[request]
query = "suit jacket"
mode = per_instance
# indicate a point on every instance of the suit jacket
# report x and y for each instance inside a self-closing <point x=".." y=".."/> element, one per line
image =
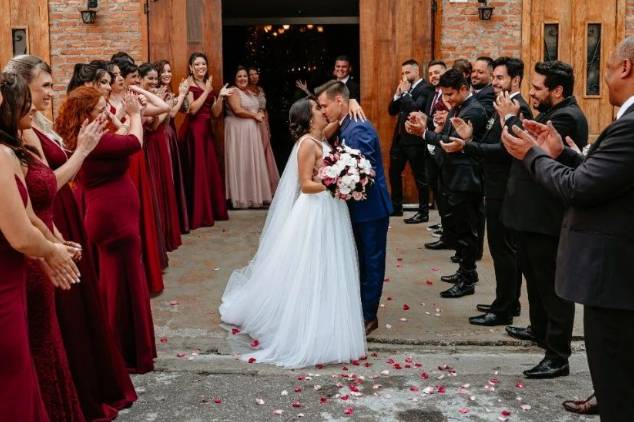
<point x="430" y="92"/>
<point x="460" y="172"/>
<point x="528" y="206"/>
<point x="596" y="246"/>
<point x="362" y="136"/>
<point x="486" y="97"/>
<point x="353" y="87"/>
<point x="496" y="161"/>
<point x="414" y="100"/>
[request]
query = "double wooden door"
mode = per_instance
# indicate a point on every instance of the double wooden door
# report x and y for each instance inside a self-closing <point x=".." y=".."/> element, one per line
<point x="582" y="33"/>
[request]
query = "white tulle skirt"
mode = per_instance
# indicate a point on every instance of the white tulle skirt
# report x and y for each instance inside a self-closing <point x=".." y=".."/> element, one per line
<point x="299" y="297"/>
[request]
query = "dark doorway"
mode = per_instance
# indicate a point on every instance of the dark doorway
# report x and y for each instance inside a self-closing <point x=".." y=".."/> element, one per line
<point x="286" y="49"/>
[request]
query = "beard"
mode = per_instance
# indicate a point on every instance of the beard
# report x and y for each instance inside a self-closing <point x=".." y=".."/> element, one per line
<point x="544" y="106"/>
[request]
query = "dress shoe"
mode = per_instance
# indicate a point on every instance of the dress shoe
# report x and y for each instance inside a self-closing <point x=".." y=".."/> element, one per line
<point x="437" y="234"/>
<point x="490" y="320"/>
<point x="418" y="218"/>
<point x="397" y="212"/>
<point x="437" y="245"/>
<point x="456" y="259"/>
<point x="521" y="333"/>
<point x="549" y="368"/>
<point x="371" y="326"/>
<point x="487" y="308"/>
<point x="590" y="406"/>
<point x="470" y="277"/>
<point x="434" y="227"/>
<point x="458" y="290"/>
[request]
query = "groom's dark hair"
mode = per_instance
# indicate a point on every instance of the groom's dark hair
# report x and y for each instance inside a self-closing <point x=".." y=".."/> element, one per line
<point x="332" y="89"/>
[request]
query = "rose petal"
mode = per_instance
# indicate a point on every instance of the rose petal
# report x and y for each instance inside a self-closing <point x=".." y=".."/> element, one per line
<point x="413" y="388"/>
<point x="300" y="415"/>
<point x="284" y="393"/>
<point x="217" y="401"/>
<point x="463" y="410"/>
<point x="296" y="404"/>
<point x="519" y="385"/>
<point x="173" y="302"/>
<point x="349" y="411"/>
<point x="406" y="307"/>
<point x="278" y="412"/>
<point x="505" y="413"/>
<point x="251" y="360"/>
<point x="235" y="331"/>
<point x="525" y="407"/>
<point x="259" y="401"/>
<point x="424" y="375"/>
<point x="441" y="389"/>
<point x="163" y="340"/>
<point x="319" y="366"/>
<point x="255" y="344"/>
<point x="180" y="354"/>
<point x="298" y="389"/>
<point x="344" y="398"/>
<point x="388" y="326"/>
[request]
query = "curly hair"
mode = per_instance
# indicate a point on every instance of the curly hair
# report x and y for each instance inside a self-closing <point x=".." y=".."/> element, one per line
<point x="74" y="111"/>
<point x="16" y="103"/>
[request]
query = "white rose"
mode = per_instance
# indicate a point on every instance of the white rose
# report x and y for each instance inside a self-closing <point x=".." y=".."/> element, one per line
<point x="331" y="172"/>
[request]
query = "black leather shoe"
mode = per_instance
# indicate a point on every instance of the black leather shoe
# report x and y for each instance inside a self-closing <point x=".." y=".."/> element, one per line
<point x="453" y="278"/>
<point x="437" y="245"/>
<point x="418" y="218"/>
<point x="398" y="212"/>
<point x="549" y="368"/>
<point x="458" y="290"/>
<point x="521" y="333"/>
<point x="456" y="259"/>
<point x="434" y="227"/>
<point x="490" y="320"/>
<point x="487" y="309"/>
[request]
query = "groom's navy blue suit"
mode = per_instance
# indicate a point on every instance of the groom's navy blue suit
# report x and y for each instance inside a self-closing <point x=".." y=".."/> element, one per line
<point x="370" y="218"/>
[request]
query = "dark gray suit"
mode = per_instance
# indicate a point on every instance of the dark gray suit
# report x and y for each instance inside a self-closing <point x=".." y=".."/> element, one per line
<point x="596" y="253"/>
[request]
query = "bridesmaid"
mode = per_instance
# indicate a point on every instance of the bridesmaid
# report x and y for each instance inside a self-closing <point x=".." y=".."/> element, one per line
<point x="246" y="176"/>
<point x="203" y="183"/>
<point x="21" y="398"/>
<point x="153" y="241"/>
<point x="265" y="128"/>
<point x="102" y="382"/>
<point x="112" y="222"/>
<point x="176" y="102"/>
<point x="157" y="154"/>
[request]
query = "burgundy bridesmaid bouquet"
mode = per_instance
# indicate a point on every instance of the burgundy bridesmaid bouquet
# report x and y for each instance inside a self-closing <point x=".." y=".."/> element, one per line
<point x="347" y="174"/>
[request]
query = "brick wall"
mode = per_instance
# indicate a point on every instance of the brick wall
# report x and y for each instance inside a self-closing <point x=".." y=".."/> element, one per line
<point x="464" y="35"/>
<point x="118" y="27"/>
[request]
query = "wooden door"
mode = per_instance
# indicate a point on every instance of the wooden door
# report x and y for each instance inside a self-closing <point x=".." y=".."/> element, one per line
<point x="28" y="22"/>
<point x="582" y="33"/>
<point x="391" y="31"/>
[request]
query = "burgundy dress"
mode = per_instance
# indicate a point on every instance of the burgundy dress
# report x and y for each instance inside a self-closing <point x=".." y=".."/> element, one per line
<point x="101" y="379"/>
<point x="177" y="174"/>
<point x="20" y="399"/>
<point x="159" y="161"/>
<point x="204" y="186"/>
<point x="112" y="224"/>
<point x="47" y="346"/>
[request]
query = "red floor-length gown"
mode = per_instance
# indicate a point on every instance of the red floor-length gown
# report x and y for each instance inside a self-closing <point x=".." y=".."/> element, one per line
<point x="157" y="153"/>
<point x="204" y="187"/>
<point x="20" y="398"/>
<point x="45" y="337"/>
<point x="112" y="224"/>
<point x="177" y="174"/>
<point x="99" y="372"/>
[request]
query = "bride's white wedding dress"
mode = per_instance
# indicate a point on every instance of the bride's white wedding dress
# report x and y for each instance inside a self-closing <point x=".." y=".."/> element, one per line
<point x="299" y="296"/>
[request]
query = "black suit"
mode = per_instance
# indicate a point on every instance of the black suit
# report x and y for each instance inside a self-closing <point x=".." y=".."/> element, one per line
<point x="408" y="148"/>
<point x="486" y="97"/>
<point x="460" y="183"/>
<point x="596" y="252"/>
<point x="496" y="163"/>
<point x="431" y="167"/>
<point x="536" y="215"/>
<point x="355" y="90"/>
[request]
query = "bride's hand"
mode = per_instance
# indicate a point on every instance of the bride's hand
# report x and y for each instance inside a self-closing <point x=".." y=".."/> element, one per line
<point x="355" y="111"/>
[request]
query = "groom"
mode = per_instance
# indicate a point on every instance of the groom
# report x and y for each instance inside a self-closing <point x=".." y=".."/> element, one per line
<point x="370" y="218"/>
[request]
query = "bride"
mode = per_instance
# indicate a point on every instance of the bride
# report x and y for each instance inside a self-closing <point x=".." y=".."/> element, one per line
<point x="298" y="298"/>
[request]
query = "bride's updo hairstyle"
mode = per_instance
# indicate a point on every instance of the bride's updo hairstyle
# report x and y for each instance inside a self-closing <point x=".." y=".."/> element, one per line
<point x="299" y="117"/>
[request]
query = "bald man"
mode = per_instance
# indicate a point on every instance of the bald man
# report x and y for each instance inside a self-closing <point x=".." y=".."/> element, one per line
<point x="596" y="247"/>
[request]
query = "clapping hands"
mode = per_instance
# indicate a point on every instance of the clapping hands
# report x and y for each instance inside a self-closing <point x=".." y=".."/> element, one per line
<point x="416" y="123"/>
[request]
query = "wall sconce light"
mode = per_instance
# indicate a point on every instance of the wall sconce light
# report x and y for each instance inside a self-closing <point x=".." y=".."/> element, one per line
<point x="484" y="10"/>
<point x="89" y="13"/>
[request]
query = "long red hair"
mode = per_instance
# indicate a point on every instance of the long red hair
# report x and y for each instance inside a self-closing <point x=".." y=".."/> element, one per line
<point x="75" y="109"/>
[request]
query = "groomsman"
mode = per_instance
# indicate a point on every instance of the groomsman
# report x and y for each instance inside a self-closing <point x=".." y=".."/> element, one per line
<point x="411" y="95"/>
<point x="342" y="72"/>
<point x="535" y="214"/>
<point x="496" y="162"/>
<point x="596" y="250"/>
<point x="481" y="87"/>
<point x="460" y="179"/>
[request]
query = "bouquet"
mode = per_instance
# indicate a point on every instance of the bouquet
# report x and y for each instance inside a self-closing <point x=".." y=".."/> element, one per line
<point x="347" y="174"/>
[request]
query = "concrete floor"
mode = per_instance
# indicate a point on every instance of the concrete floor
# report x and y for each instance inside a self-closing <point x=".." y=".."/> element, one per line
<point x="195" y="365"/>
